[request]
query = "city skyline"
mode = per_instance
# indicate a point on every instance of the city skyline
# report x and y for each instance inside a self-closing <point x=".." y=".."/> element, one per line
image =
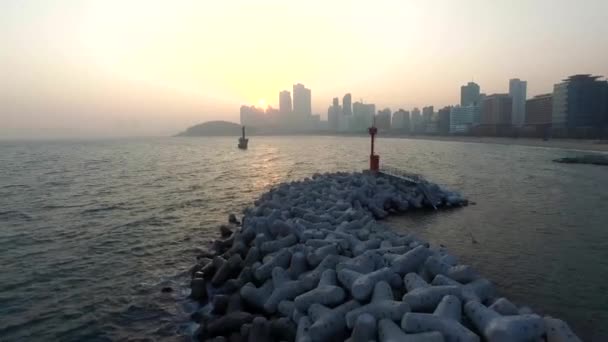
<point x="125" y="68"/>
<point x="577" y="107"/>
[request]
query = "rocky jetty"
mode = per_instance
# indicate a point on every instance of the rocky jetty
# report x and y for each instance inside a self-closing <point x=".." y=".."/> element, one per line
<point x="311" y="261"/>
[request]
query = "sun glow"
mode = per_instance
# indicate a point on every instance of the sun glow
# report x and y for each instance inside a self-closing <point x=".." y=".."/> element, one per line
<point x="262" y="103"/>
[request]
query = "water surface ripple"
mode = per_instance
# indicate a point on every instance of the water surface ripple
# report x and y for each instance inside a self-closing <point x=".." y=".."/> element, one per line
<point x="90" y="231"/>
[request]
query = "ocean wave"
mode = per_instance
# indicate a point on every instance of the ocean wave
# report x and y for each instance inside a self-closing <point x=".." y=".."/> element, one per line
<point x="12" y="186"/>
<point x="103" y="208"/>
<point x="16" y="214"/>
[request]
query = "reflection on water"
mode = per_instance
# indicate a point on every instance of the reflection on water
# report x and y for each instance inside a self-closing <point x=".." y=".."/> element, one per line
<point x="92" y="230"/>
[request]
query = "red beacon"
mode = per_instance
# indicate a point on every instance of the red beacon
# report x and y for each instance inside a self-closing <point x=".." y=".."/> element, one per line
<point x="374" y="159"/>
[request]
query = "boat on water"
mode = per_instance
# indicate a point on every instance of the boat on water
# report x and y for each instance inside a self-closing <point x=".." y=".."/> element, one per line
<point x="243" y="141"/>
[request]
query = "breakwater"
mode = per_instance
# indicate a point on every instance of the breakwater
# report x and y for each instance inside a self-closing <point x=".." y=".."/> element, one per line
<point x="311" y="261"/>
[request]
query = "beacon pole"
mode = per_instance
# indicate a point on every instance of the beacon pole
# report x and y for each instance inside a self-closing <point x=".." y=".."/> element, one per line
<point x="374" y="159"/>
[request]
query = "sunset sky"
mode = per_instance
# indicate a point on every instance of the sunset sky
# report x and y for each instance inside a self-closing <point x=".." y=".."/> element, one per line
<point x="77" y="68"/>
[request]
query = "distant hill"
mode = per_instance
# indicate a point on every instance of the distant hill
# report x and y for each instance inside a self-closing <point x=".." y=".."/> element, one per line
<point x="215" y="128"/>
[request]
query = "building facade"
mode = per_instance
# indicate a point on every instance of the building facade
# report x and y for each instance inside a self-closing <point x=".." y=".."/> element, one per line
<point x="443" y="118"/>
<point x="363" y="116"/>
<point x="496" y="110"/>
<point x="461" y="119"/>
<point x="285" y="107"/>
<point x="539" y="110"/>
<point x="469" y="94"/>
<point x="302" y="105"/>
<point x="334" y="112"/>
<point x="580" y="101"/>
<point x="427" y="114"/>
<point x="401" y="121"/>
<point x="518" y="92"/>
<point x="347" y="106"/>
<point x="383" y="119"/>
<point x="417" y="126"/>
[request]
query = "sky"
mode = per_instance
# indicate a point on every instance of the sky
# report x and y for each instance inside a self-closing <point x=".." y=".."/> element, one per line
<point x="112" y="68"/>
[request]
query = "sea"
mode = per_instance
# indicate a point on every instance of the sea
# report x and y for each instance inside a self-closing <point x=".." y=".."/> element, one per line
<point x="92" y="230"/>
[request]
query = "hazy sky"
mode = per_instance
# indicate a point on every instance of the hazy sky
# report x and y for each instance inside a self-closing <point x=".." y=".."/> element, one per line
<point x="73" y="68"/>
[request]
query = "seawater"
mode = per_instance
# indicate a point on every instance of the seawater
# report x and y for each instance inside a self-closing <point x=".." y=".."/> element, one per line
<point x="90" y="231"/>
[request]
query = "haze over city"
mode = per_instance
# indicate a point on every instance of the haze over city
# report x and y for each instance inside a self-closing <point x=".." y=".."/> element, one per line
<point x="141" y="68"/>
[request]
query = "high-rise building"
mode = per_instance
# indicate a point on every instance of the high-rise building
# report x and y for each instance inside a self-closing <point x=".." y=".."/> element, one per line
<point x="517" y="91"/>
<point x="302" y="105"/>
<point x="560" y="105"/>
<point x="401" y="121"/>
<point x="444" y="119"/>
<point x="363" y="116"/>
<point x="461" y="118"/>
<point x="383" y="119"/>
<point x="416" y="123"/>
<point x="347" y="106"/>
<point x="285" y="102"/>
<point x="334" y="114"/>
<point x="496" y="109"/>
<point x="469" y="94"/>
<point x="427" y="114"/>
<point x="477" y="118"/>
<point x="539" y="110"/>
<point x="580" y="101"/>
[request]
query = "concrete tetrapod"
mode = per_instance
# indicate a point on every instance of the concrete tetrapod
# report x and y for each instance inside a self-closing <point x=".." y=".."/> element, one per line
<point x="445" y="319"/>
<point x="388" y="331"/>
<point x="364" y="329"/>
<point x="363" y="285"/>
<point x="410" y="261"/>
<point x="381" y="306"/>
<point x="326" y="293"/>
<point x="497" y="328"/>
<point x="256" y="297"/>
<point x="504" y="307"/>
<point x="310" y="245"/>
<point x="281" y="259"/>
<point x="460" y="273"/>
<point x="423" y="297"/>
<point x="559" y="331"/>
<point x="328" y="323"/>
<point x="285" y="289"/>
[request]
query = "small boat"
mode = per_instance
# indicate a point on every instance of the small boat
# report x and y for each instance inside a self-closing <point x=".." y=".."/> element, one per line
<point x="243" y="141"/>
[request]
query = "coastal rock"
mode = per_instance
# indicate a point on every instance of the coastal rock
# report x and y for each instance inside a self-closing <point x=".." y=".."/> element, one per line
<point x="451" y="330"/>
<point x="504" y="307"/>
<point x="227" y="269"/>
<point x="286" y="290"/>
<point x="427" y="298"/>
<point x="381" y="306"/>
<point x="364" y="329"/>
<point x="388" y="331"/>
<point x="228" y="323"/>
<point x="302" y="334"/>
<point x="232" y="219"/>
<point x="310" y="262"/>
<point x="558" y="331"/>
<point x="329" y="323"/>
<point x="256" y="297"/>
<point x="497" y="328"/>
<point x="225" y="231"/>
<point x="198" y="288"/>
<point x="281" y="259"/>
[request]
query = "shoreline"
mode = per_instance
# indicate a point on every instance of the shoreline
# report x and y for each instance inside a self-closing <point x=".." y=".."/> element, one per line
<point x="313" y="262"/>
<point x="583" y="145"/>
<point x="565" y="144"/>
